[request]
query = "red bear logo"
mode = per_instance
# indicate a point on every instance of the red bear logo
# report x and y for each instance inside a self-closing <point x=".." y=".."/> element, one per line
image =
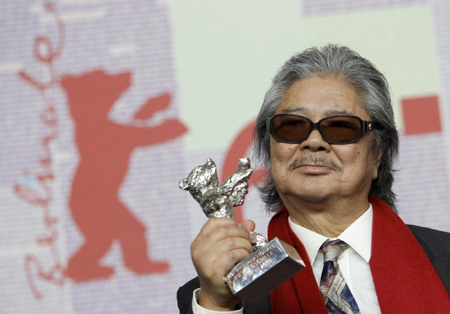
<point x="104" y="149"/>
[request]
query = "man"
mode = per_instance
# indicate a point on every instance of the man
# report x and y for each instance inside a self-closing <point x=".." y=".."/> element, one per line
<point x="326" y="132"/>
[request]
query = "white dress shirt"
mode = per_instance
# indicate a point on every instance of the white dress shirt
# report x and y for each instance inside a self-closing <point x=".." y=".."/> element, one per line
<point x="353" y="262"/>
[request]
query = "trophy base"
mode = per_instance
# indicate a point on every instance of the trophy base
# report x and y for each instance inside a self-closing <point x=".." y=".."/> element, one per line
<point x="264" y="270"/>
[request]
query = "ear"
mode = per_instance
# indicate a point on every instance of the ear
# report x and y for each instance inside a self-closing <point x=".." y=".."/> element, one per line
<point x="376" y="163"/>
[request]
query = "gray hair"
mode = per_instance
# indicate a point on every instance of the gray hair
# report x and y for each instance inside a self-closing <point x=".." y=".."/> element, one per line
<point x="343" y="63"/>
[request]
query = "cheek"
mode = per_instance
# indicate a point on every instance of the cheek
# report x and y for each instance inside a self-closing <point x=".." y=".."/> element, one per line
<point x="281" y="153"/>
<point x="280" y="156"/>
<point x="356" y="160"/>
<point x="364" y="161"/>
<point x="346" y="155"/>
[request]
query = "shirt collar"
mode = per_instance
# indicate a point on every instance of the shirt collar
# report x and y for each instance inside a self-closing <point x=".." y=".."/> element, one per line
<point x="358" y="235"/>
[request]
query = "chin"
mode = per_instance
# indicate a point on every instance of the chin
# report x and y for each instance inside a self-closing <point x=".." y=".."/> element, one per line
<point x="312" y="186"/>
<point x="313" y="192"/>
<point x="314" y="198"/>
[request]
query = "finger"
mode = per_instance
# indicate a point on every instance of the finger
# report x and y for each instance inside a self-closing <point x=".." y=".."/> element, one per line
<point x="231" y="244"/>
<point x="207" y="256"/>
<point x="204" y="260"/>
<point x="213" y="223"/>
<point x="222" y="266"/>
<point x="226" y="237"/>
<point x="218" y="230"/>
<point x="206" y="248"/>
<point x="229" y="259"/>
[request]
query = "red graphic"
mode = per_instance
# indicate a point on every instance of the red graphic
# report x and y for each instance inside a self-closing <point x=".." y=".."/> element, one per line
<point x="239" y="149"/>
<point x="105" y="148"/>
<point x="39" y="192"/>
<point x="421" y="115"/>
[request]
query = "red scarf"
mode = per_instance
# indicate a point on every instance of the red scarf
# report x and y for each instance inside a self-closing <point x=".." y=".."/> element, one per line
<point x="405" y="280"/>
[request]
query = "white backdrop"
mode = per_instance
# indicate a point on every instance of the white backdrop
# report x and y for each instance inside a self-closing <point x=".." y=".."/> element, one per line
<point x="105" y="105"/>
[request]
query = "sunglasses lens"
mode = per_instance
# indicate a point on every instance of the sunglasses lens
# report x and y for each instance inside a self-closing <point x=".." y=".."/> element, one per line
<point x="341" y="129"/>
<point x="335" y="130"/>
<point x="289" y="128"/>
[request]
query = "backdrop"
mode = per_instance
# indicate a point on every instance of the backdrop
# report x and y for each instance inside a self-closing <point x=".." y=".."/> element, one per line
<point x="105" y="105"/>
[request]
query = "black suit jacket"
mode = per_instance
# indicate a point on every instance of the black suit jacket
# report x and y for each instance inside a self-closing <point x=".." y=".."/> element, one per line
<point x="436" y="245"/>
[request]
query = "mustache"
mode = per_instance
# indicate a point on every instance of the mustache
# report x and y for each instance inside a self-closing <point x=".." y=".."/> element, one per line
<point x="313" y="160"/>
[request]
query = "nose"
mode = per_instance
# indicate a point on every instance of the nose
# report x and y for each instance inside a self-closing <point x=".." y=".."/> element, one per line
<point x="315" y="142"/>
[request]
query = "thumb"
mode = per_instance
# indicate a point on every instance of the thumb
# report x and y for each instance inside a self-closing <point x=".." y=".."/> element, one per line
<point x="249" y="225"/>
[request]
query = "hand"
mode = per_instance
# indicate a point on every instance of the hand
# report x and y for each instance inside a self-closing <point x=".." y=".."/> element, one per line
<point x="221" y="244"/>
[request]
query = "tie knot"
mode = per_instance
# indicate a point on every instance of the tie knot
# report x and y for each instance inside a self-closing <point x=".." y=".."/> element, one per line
<point x="332" y="249"/>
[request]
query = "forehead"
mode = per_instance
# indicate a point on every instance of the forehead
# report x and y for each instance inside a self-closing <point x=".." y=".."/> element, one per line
<point x="318" y="97"/>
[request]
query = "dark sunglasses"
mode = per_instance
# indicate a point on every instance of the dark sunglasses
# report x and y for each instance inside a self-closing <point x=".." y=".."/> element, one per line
<point x="294" y="129"/>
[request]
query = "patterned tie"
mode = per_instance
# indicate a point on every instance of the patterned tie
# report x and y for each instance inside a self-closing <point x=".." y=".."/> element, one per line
<point x="336" y="294"/>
